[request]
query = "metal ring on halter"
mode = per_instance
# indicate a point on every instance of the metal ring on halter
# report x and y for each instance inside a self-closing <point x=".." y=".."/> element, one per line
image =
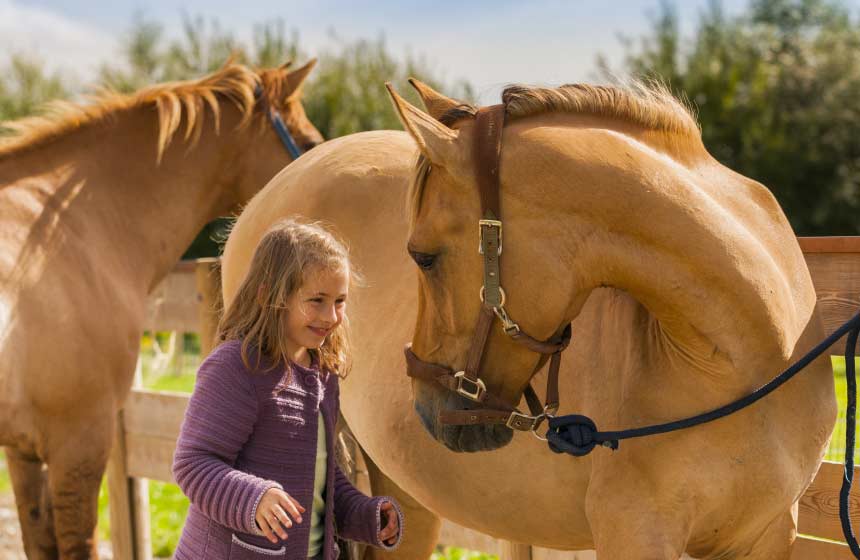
<point x="502" y="290"/>
<point x="547" y="416"/>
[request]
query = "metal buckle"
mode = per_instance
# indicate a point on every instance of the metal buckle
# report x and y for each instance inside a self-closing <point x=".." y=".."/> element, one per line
<point x="480" y="388"/>
<point x="488" y="223"/>
<point x="534" y="421"/>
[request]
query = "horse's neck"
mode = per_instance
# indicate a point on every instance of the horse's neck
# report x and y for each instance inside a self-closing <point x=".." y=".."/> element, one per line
<point x="150" y="213"/>
<point x="708" y="253"/>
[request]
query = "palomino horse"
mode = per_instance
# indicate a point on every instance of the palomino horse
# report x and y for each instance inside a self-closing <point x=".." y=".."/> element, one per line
<point x="684" y="285"/>
<point x="98" y="204"/>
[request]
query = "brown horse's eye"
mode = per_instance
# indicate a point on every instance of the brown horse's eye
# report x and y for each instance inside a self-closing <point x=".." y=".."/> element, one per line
<point x="423" y="260"/>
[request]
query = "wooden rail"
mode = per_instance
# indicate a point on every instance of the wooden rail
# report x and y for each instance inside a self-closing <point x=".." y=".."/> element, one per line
<point x="184" y="301"/>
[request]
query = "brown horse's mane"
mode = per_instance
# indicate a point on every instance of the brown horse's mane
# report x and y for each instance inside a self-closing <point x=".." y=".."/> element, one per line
<point x="651" y="106"/>
<point x="173" y="100"/>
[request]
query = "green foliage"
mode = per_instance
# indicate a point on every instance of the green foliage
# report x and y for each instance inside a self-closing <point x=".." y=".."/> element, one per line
<point x="775" y="90"/>
<point x="347" y="93"/>
<point x="202" y="48"/>
<point x="25" y="87"/>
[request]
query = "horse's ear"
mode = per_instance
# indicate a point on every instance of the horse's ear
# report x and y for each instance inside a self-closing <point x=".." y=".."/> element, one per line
<point x="285" y="65"/>
<point x="297" y="77"/>
<point x="435" y="103"/>
<point x="435" y="140"/>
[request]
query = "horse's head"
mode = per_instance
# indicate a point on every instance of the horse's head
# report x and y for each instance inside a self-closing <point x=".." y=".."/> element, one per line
<point x="444" y="241"/>
<point x="277" y="105"/>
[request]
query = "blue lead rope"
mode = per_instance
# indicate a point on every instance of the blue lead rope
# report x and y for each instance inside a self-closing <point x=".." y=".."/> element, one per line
<point x="578" y="435"/>
<point x="850" y="413"/>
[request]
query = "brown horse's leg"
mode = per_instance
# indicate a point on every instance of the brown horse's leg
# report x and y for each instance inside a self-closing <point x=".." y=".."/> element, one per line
<point x="76" y="463"/>
<point x="775" y="543"/>
<point x="29" y="482"/>
<point x="421" y="527"/>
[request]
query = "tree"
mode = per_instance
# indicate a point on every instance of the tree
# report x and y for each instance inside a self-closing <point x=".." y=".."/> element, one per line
<point x="775" y="93"/>
<point x="24" y="88"/>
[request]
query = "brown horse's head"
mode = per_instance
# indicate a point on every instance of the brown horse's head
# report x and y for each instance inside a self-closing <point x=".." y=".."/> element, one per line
<point x="443" y="241"/>
<point x="278" y="92"/>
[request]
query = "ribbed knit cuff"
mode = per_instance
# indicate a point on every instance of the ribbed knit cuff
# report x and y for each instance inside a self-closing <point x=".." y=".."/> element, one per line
<point x="378" y="526"/>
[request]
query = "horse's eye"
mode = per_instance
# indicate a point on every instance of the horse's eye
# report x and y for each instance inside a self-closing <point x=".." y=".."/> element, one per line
<point x="423" y="260"/>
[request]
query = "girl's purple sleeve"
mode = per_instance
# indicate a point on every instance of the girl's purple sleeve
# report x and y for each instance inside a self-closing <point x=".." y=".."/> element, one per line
<point x="218" y="422"/>
<point x="358" y="516"/>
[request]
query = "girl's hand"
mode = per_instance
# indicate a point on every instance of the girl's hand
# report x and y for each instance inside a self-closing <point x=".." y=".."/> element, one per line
<point x="390" y="523"/>
<point x="272" y="512"/>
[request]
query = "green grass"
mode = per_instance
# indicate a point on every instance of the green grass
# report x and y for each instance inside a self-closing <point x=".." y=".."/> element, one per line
<point x="5" y="483"/>
<point x="454" y="553"/>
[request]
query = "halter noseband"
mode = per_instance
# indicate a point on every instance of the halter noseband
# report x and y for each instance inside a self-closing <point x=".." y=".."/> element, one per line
<point x="489" y="122"/>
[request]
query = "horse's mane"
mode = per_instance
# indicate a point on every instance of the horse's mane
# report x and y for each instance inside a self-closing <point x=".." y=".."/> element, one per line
<point x="651" y="106"/>
<point x="173" y="100"/>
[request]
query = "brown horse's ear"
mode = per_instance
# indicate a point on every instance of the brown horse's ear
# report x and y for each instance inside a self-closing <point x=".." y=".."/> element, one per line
<point x="435" y="140"/>
<point x="285" y="65"/>
<point x="435" y="103"/>
<point x="297" y="77"/>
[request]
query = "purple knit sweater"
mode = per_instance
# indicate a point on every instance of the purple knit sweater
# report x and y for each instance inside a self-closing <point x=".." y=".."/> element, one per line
<point x="247" y="432"/>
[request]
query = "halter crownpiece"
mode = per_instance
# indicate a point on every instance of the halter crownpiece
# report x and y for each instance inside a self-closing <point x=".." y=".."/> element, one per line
<point x="489" y="123"/>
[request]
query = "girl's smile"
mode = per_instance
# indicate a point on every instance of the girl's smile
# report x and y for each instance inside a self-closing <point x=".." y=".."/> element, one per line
<point x="320" y="332"/>
<point x="315" y="310"/>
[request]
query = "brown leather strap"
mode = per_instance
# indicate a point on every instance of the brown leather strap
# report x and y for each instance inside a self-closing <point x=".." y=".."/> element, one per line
<point x="416" y="367"/>
<point x="543" y="347"/>
<point x="489" y="122"/>
<point x="479" y="342"/>
<point x="472" y="417"/>
<point x="552" y="381"/>
<point x="533" y="400"/>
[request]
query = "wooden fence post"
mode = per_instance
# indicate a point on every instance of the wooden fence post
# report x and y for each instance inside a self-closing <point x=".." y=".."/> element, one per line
<point x="515" y="551"/>
<point x="208" y="279"/>
<point x="128" y="498"/>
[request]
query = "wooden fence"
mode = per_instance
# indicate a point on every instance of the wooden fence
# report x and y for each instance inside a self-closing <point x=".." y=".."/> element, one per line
<point x="150" y="421"/>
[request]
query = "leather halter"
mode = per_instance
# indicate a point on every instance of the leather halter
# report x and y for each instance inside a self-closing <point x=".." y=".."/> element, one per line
<point x="281" y="129"/>
<point x="489" y="122"/>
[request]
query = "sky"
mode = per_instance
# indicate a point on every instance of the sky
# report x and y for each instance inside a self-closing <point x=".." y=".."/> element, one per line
<point x="490" y="43"/>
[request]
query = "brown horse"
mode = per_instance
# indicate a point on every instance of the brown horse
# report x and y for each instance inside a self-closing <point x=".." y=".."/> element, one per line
<point x="685" y="286"/>
<point x="98" y="204"/>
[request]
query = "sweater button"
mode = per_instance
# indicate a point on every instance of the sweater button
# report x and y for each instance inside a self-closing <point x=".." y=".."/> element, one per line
<point x="310" y="380"/>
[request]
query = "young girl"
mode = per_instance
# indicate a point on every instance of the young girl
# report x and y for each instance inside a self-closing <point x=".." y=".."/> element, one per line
<point x="256" y="451"/>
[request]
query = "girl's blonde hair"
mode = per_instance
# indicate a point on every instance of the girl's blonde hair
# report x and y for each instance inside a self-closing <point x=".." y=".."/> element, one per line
<point x="289" y="251"/>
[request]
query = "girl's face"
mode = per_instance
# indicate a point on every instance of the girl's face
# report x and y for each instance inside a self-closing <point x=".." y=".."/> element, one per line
<point x="317" y="308"/>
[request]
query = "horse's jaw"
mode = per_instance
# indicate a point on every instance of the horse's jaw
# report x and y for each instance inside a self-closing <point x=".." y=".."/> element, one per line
<point x="461" y="439"/>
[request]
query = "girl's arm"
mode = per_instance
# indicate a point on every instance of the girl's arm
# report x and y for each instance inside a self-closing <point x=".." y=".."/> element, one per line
<point x="218" y="422"/>
<point x="358" y="517"/>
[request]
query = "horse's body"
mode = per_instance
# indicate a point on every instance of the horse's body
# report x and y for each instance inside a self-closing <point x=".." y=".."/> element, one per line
<point x="91" y="222"/>
<point x="686" y="289"/>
